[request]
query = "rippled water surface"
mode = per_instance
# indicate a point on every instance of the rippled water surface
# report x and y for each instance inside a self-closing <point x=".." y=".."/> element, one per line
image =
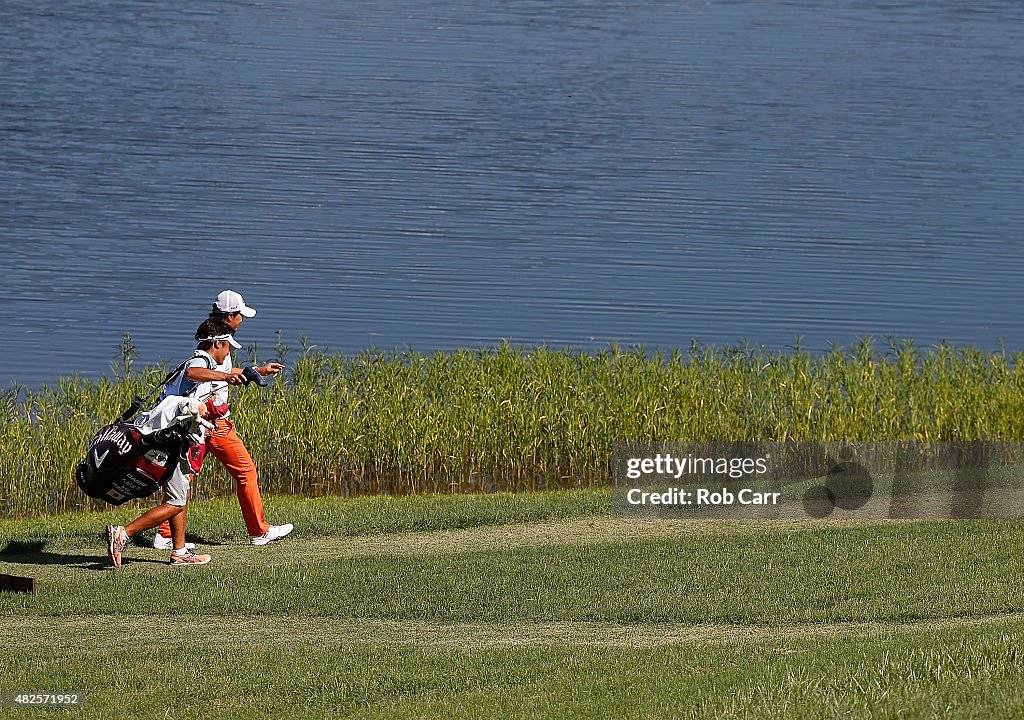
<point x="440" y="174"/>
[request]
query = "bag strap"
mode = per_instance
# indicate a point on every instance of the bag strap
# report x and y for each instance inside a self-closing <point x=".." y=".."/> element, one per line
<point x="209" y="366"/>
<point x="141" y="401"/>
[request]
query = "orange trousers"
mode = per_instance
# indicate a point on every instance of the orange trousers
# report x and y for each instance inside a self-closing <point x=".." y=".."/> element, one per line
<point x="226" y="446"/>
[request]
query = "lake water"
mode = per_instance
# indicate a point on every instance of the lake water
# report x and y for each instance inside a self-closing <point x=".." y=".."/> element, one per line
<point x="443" y="174"/>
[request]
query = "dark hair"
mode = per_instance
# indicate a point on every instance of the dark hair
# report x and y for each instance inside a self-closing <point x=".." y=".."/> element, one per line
<point x="216" y="312"/>
<point x="210" y="327"/>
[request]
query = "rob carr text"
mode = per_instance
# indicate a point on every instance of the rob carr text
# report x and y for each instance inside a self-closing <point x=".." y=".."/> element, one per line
<point x="702" y="496"/>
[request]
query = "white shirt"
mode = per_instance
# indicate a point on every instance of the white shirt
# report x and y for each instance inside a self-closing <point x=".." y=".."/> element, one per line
<point x="221" y="394"/>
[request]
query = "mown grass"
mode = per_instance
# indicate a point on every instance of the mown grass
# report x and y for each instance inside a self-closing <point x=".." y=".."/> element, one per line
<point x="219" y="519"/>
<point x="773" y="576"/>
<point x="546" y="608"/>
<point x="518" y="419"/>
<point x="963" y="673"/>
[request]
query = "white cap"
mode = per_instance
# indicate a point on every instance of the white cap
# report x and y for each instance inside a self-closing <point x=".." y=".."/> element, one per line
<point x="231" y="302"/>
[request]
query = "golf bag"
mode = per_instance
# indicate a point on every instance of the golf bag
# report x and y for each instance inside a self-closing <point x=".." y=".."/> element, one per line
<point x="131" y="459"/>
<point x="124" y="463"/>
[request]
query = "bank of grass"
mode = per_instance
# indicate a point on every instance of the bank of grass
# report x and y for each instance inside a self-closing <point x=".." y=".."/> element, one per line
<point x="540" y="608"/>
<point x="517" y="419"/>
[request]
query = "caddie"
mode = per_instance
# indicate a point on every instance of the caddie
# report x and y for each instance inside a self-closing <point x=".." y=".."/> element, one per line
<point x="173" y="414"/>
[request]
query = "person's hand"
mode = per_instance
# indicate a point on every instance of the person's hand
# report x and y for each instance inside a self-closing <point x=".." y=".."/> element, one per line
<point x="270" y="368"/>
<point x="235" y="377"/>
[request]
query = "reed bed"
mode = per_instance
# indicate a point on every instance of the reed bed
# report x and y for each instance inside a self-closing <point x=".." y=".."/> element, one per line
<point x="516" y="419"/>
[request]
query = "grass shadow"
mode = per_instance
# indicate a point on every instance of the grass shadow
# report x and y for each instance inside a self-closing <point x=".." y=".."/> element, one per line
<point x="34" y="553"/>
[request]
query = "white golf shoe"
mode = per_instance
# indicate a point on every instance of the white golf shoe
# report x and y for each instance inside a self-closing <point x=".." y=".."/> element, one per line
<point x="275" y="532"/>
<point x="162" y="543"/>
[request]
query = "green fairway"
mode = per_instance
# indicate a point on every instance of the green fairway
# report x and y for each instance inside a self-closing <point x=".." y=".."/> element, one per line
<point x="520" y="605"/>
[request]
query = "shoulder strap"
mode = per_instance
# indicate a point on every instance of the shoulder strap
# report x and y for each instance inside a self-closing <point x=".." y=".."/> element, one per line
<point x="207" y="360"/>
<point x="141" y="401"/>
<point x="210" y="363"/>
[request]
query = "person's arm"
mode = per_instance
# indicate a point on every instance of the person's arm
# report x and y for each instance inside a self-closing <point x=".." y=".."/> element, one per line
<point x="201" y="374"/>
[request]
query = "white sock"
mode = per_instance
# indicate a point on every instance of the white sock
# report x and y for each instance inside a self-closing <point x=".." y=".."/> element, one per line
<point x="182" y="551"/>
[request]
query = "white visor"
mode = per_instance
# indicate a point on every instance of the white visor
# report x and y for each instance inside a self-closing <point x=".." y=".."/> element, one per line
<point x="230" y="338"/>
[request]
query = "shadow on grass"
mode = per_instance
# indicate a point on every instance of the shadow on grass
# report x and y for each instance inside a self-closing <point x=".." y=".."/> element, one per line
<point x="34" y="553"/>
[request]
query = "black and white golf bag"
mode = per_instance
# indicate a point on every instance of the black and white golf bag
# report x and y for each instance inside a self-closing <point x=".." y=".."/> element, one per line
<point x="132" y="460"/>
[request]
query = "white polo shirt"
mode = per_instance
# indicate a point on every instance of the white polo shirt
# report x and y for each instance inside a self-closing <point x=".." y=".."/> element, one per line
<point x="221" y="396"/>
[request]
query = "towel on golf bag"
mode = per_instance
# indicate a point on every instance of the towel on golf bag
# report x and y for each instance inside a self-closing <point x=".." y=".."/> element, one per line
<point x="128" y="460"/>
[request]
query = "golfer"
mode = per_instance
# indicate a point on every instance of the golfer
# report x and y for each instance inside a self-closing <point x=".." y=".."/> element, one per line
<point x="223" y="443"/>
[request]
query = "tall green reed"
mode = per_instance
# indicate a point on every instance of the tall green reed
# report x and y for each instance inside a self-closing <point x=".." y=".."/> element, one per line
<point x="512" y="418"/>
